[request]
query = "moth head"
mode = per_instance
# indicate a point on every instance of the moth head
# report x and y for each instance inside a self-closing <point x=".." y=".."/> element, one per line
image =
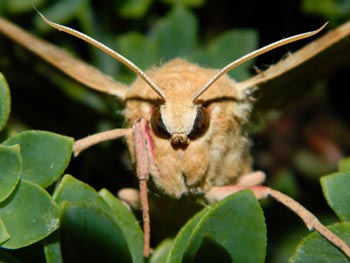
<point x="191" y="121"/>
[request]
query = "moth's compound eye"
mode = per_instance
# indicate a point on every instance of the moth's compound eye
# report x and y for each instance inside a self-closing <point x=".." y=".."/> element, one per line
<point x="201" y="123"/>
<point x="158" y="125"/>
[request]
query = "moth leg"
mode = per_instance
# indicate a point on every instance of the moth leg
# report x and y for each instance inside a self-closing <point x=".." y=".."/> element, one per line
<point x="83" y="144"/>
<point x="143" y="152"/>
<point x="141" y="140"/>
<point x="219" y="192"/>
<point x="251" y="179"/>
<point x="130" y="197"/>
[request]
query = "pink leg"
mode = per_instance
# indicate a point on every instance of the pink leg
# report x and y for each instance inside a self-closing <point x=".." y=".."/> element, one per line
<point x="140" y="138"/>
<point x="251" y="179"/>
<point x="83" y="144"/>
<point x="219" y="192"/>
<point x="144" y="153"/>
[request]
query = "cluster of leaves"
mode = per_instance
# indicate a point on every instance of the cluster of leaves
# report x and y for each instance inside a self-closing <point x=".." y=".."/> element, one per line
<point x="72" y="222"/>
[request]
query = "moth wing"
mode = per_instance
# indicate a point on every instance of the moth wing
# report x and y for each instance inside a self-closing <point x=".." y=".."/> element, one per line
<point x="75" y="68"/>
<point x="286" y="79"/>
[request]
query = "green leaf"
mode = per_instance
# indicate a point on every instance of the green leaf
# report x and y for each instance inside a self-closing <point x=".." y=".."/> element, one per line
<point x="21" y="6"/>
<point x="137" y="48"/>
<point x="128" y="224"/>
<point x="235" y="225"/>
<point x="10" y="169"/>
<point x="29" y="215"/>
<point x="5" y="257"/>
<point x="330" y="9"/>
<point x="311" y="164"/>
<point x="71" y="190"/>
<point x="175" y="35"/>
<point x="336" y="190"/>
<point x="344" y="165"/>
<point x="181" y="241"/>
<point x="4" y="235"/>
<point x="88" y="234"/>
<point x="315" y="248"/>
<point x="189" y="3"/>
<point x="161" y="252"/>
<point x="45" y="155"/>
<point x="52" y="249"/>
<point x="60" y="12"/>
<point x="228" y="231"/>
<point x="226" y="48"/>
<point x="5" y="102"/>
<point x="103" y="206"/>
<point x="134" y="8"/>
<point x="285" y="182"/>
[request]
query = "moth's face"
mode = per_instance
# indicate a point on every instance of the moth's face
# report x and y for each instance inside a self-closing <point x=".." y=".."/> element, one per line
<point x="179" y="119"/>
<point x="180" y="122"/>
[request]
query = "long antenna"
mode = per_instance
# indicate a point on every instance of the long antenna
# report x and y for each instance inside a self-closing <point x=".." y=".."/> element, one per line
<point x="254" y="54"/>
<point x="108" y="51"/>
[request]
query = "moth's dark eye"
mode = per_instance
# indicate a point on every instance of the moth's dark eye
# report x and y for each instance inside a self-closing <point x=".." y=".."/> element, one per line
<point x="201" y="123"/>
<point x="158" y="125"/>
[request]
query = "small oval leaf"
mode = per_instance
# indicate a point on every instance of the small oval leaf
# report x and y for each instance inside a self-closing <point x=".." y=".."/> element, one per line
<point x="45" y="155"/>
<point x="227" y="47"/>
<point x="60" y="12"/>
<point x="344" y="165"/>
<point x="181" y="241"/>
<point x="237" y="225"/>
<point x="128" y="224"/>
<point x="5" y="102"/>
<point x="10" y="169"/>
<point x="177" y="29"/>
<point x="88" y="234"/>
<point x="29" y="215"/>
<point x="134" y="8"/>
<point x="71" y="190"/>
<point x="315" y="248"/>
<point x="189" y="3"/>
<point x="137" y="48"/>
<point x="52" y="249"/>
<point x="234" y="227"/>
<point x="16" y="7"/>
<point x="68" y="192"/>
<point x="161" y="252"/>
<point x="336" y="190"/>
<point x="4" y="234"/>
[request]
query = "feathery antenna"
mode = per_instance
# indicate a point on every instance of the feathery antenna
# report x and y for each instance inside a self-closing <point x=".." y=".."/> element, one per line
<point x="254" y="54"/>
<point x="108" y="51"/>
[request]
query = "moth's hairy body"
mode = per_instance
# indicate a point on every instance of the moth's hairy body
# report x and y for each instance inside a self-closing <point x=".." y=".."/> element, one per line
<point x="217" y="157"/>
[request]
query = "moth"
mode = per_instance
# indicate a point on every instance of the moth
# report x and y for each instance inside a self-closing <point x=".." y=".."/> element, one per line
<point x="185" y="124"/>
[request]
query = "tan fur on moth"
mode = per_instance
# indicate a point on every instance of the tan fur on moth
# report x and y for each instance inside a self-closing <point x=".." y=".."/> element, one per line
<point x="204" y="162"/>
